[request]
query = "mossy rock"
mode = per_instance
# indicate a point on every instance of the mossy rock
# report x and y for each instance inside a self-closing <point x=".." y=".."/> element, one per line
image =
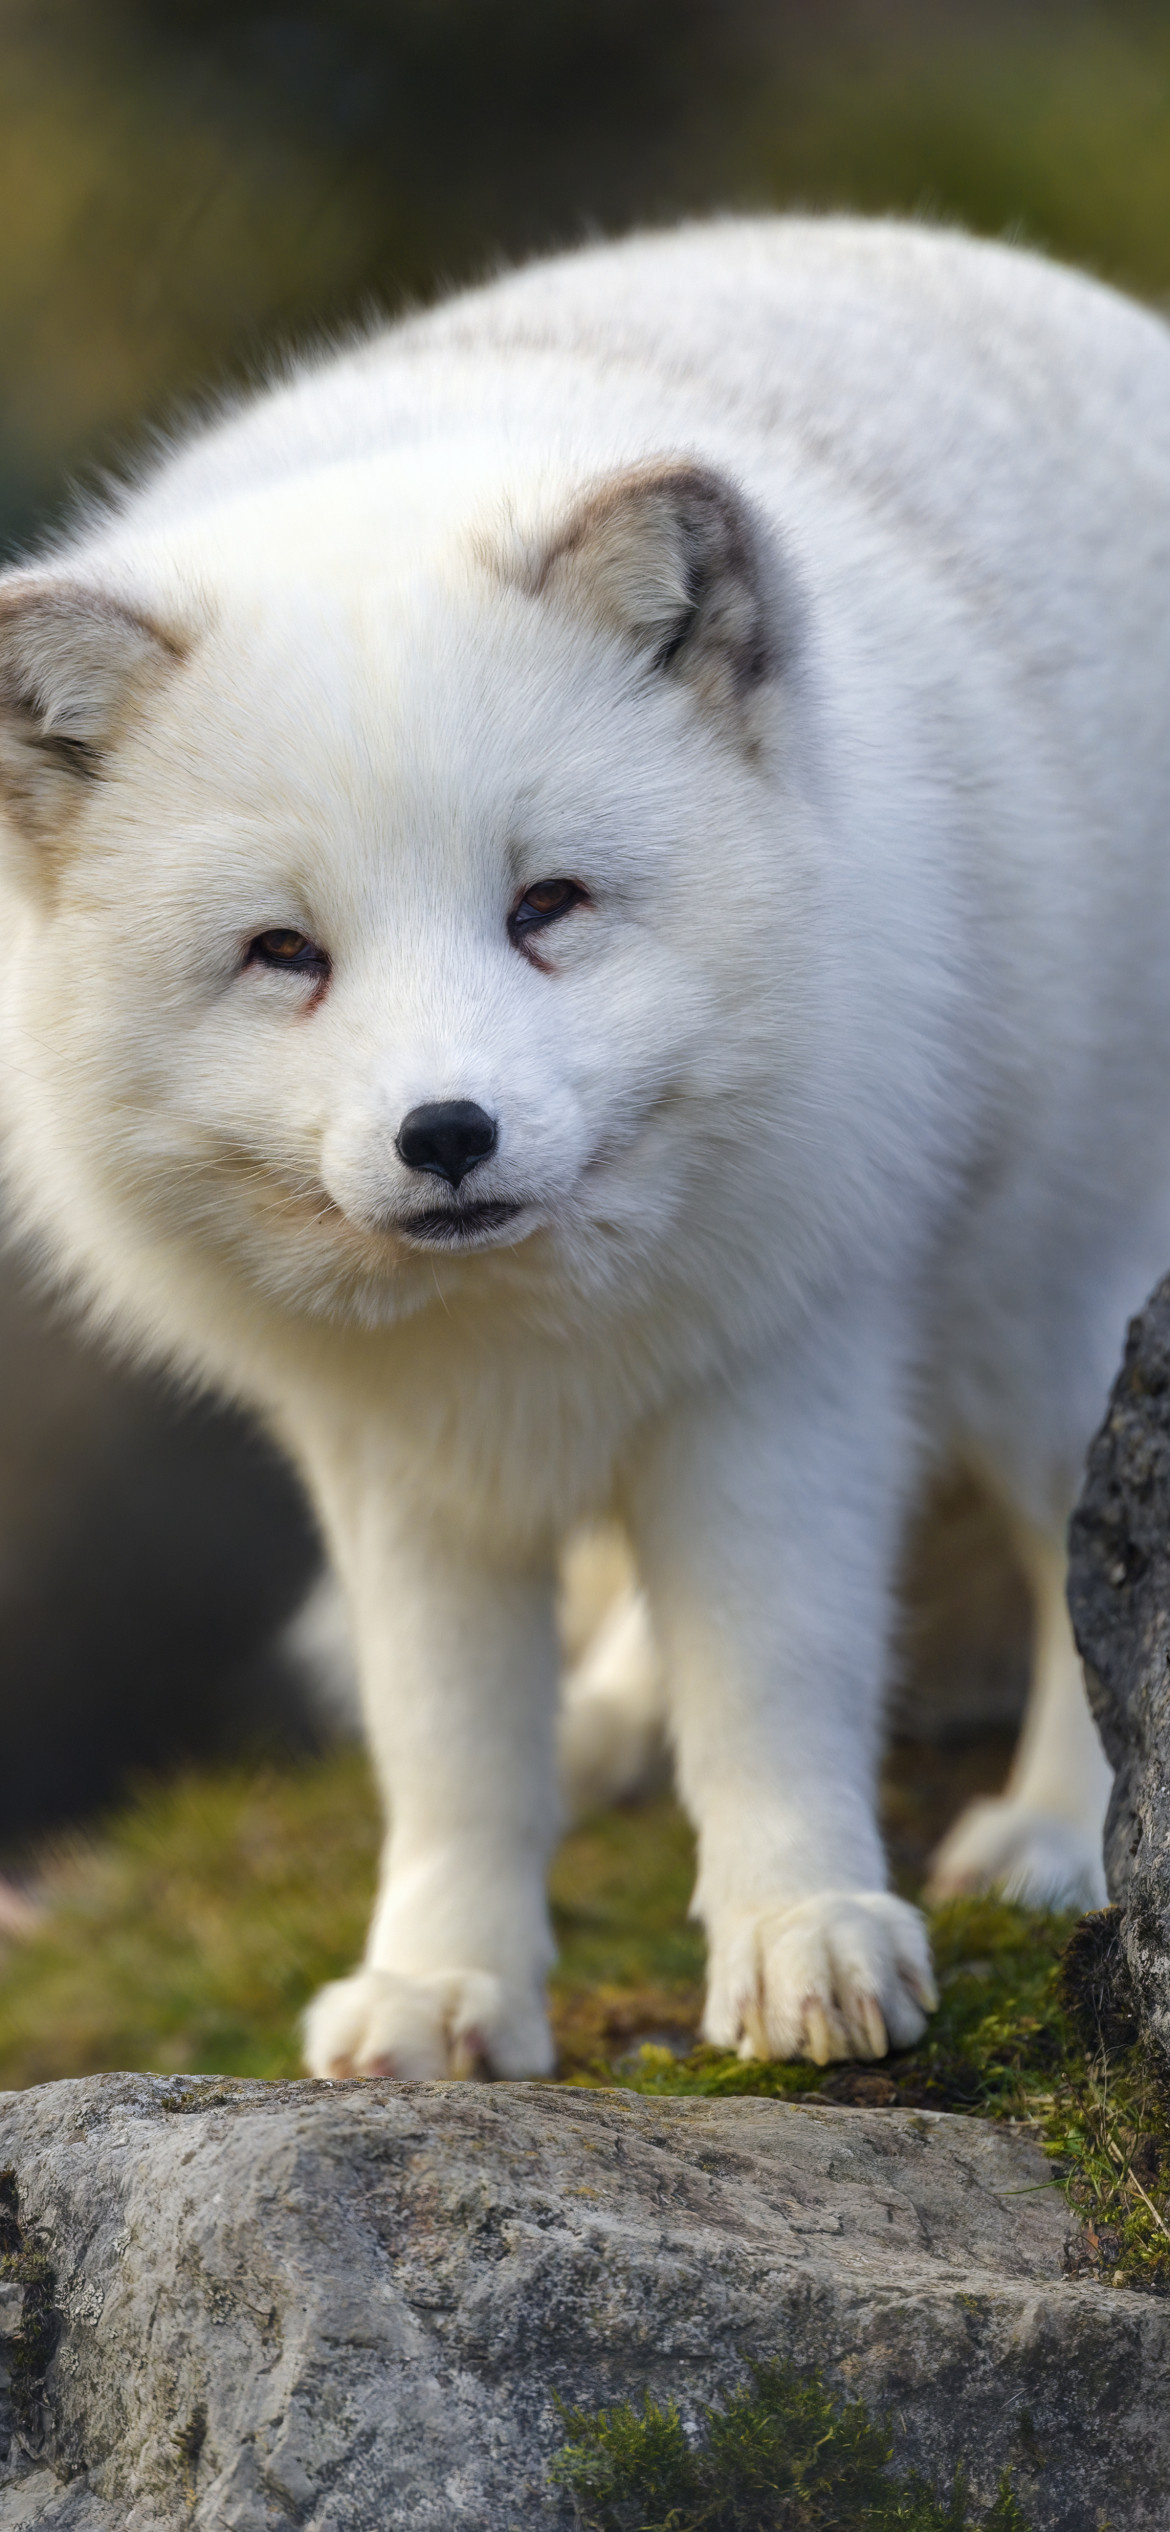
<point x="779" y="2455"/>
<point x="374" y="2296"/>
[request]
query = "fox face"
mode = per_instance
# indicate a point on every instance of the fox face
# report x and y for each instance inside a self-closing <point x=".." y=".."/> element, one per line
<point x="396" y="928"/>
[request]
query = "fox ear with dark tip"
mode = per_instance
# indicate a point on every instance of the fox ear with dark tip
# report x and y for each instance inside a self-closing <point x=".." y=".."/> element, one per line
<point x="75" y="666"/>
<point x="674" y="559"/>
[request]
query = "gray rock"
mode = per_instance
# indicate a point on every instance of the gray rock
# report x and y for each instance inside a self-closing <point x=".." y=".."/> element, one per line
<point x="352" y="2308"/>
<point x="1119" y="1595"/>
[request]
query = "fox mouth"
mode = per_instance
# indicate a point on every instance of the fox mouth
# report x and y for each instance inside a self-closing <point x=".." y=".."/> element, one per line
<point x="456" y="1226"/>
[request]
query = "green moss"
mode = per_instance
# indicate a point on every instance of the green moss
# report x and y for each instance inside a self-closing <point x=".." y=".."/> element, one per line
<point x="1000" y="2029"/>
<point x="190" y="1932"/>
<point x="621" y="1887"/>
<point x="778" y="2456"/>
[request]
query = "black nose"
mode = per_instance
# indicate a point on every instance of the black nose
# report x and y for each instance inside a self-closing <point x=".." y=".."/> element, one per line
<point x="446" y="1139"/>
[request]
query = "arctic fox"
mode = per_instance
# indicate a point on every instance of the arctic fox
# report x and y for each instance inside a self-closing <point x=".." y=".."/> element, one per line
<point x="588" y="908"/>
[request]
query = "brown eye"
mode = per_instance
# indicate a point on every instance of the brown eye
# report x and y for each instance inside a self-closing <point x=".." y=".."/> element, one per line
<point x="545" y="902"/>
<point x="292" y="951"/>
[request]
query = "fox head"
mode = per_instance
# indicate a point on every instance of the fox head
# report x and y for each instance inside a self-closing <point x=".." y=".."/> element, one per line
<point x="396" y="887"/>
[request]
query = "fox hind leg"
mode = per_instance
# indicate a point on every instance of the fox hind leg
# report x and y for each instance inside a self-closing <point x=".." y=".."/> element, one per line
<point x="612" y="1740"/>
<point x="1040" y="1841"/>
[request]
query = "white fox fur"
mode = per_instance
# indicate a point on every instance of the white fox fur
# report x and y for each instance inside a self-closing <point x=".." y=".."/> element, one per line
<point x="799" y="592"/>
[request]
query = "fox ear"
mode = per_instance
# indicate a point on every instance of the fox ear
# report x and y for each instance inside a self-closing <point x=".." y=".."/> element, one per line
<point x="73" y="666"/>
<point x="673" y="558"/>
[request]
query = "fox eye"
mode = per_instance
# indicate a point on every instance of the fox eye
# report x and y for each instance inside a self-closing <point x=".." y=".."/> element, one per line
<point x="292" y="951"/>
<point x="545" y="902"/>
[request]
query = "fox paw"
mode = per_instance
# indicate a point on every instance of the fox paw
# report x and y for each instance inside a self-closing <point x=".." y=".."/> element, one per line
<point x="455" y="2022"/>
<point x="1033" y="1856"/>
<point x="845" y="1974"/>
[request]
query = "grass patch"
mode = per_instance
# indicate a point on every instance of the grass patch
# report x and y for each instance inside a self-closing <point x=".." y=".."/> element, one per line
<point x="999" y="2040"/>
<point x="187" y="1935"/>
<point x="778" y="2456"/>
<point x="629" y="1963"/>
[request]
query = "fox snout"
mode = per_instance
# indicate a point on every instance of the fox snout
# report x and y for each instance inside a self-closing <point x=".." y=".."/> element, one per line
<point x="446" y="1138"/>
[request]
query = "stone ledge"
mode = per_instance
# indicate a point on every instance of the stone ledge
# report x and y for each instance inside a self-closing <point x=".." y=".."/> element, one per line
<point x="340" y="2307"/>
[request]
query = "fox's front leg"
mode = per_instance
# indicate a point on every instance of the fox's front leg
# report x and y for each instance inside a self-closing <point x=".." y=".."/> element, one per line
<point x="767" y="1515"/>
<point x="457" y="1660"/>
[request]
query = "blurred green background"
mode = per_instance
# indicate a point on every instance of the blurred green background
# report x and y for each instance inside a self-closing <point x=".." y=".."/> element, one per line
<point x="188" y="188"/>
<point x="185" y="186"/>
